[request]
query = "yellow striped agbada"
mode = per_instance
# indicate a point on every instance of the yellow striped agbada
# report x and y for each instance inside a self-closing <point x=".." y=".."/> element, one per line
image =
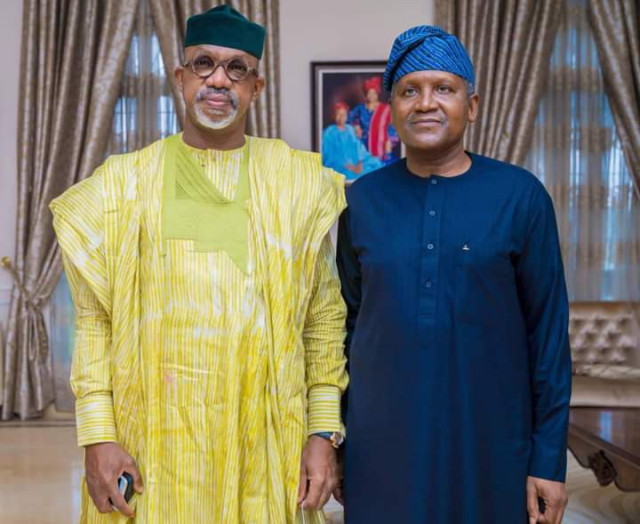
<point x="209" y="376"/>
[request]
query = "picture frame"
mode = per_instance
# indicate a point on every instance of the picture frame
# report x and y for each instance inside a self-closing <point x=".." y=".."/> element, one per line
<point x="351" y="117"/>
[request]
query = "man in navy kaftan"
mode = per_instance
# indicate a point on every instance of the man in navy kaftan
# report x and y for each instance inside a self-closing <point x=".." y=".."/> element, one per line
<point x="460" y="371"/>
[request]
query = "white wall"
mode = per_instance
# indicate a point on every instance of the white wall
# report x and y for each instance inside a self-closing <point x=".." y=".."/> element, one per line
<point x="325" y="30"/>
<point x="10" y="36"/>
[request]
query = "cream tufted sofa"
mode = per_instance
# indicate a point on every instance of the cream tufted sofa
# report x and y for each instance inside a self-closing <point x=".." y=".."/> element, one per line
<point x="605" y="345"/>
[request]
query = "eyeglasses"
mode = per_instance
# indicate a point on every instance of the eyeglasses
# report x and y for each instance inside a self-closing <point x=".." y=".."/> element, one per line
<point x="236" y="68"/>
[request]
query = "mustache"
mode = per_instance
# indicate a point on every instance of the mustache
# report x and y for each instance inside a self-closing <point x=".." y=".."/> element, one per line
<point x="414" y="117"/>
<point x="231" y="97"/>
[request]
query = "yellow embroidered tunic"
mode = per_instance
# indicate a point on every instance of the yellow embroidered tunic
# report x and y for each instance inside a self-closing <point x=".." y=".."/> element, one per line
<point x="205" y="373"/>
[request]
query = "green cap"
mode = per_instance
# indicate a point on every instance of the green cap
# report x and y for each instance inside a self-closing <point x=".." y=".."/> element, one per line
<point x="226" y="27"/>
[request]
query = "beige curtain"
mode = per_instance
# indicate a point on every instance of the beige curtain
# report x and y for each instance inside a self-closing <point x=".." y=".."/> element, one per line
<point x="616" y="28"/>
<point x="170" y="19"/>
<point x="576" y="152"/>
<point x="510" y="42"/>
<point x="73" y="55"/>
<point x="145" y="109"/>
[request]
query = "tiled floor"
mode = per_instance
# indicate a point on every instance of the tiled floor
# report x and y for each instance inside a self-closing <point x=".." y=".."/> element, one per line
<point x="41" y="467"/>
<point x="40" y="472"/>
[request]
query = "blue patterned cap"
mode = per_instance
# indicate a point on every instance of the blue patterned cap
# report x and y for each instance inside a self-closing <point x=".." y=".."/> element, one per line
<point x="427" y="48"/>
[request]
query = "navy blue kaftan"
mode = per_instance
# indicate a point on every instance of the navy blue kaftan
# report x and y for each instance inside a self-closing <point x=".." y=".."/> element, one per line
<point x="457" y="343"/>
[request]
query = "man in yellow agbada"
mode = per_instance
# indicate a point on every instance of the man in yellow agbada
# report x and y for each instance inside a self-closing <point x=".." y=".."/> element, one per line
<point x="209" y="356"/>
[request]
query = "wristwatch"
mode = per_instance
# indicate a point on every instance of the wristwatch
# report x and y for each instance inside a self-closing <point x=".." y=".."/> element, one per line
<point x="335" y="437"/>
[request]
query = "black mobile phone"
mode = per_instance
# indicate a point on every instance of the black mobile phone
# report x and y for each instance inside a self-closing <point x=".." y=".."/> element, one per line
<point x="542" y="506"/>
<point x="125" y="486"/>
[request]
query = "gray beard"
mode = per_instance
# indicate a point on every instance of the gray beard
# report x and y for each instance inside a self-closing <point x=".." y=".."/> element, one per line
<point x="205" y="120"/>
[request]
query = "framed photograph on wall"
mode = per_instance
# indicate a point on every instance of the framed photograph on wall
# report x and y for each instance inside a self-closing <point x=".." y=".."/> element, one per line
<point x="351" y="117"/>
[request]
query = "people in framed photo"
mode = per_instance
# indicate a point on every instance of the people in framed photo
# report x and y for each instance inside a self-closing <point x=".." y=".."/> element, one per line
<point x="352" y="125"/>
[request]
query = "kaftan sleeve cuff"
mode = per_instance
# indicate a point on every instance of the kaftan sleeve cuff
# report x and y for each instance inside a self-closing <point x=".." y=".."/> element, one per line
<point x="548" y="462"/>
<point x="95" y="419"/>
<point x="324" y="409"/>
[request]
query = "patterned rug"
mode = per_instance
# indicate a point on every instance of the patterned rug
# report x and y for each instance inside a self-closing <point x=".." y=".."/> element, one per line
<point x="588" y="502"/>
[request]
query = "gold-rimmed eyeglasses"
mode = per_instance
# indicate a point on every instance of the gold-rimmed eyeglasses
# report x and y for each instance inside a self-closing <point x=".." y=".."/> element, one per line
<point x="236" y="69"/>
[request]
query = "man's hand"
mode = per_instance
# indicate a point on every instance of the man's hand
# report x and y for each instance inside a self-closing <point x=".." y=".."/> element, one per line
<point x="555" y="500"/>
<point x="103" y="464"/>
<point x="318" y="473"/>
